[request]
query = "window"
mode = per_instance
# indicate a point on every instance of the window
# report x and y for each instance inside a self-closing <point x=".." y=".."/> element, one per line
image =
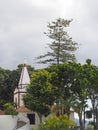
<point x="31" y="118"/>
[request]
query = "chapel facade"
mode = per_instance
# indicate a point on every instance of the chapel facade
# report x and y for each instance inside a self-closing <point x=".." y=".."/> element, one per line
<point x="20" y="90"/>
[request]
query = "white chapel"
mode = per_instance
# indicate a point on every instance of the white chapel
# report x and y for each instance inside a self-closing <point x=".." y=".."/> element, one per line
<point x="22" y="85"/>
<point x="25" y="113"/>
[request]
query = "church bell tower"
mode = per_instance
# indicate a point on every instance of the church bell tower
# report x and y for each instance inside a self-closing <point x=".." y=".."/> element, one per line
<point x="22" y="86"/>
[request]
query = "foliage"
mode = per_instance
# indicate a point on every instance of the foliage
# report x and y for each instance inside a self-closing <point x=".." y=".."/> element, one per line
<point x="92" y="89"/>
<point x="61" y="77"/>
<point x="89" y="127"/>
<point x="61" y="46"/>
<point x="39" y="93"/>
<point x="71" y="83"/>
<point x="9" y="109"/>
<point x="68" y="85"/>
<point x="31" y="129"/>
<point x="5" y="93"/>
<point x="79" y="91"/>
<point x="57" y="123"/>
<point x="8" y="82"/>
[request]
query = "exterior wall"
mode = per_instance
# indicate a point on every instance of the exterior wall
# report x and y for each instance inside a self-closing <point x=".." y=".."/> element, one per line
<point x="8" y="122"/>
<point x="23" y="116"/>
<point x="21" y="99"/>
<point x="18" y="97"/>
<point x="37" y="121"/>
<point x="25" y="127"/>
<point x="72" y="115"/>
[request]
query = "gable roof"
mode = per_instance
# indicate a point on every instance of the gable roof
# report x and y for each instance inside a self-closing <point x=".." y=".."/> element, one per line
<point x="23" y="109"/>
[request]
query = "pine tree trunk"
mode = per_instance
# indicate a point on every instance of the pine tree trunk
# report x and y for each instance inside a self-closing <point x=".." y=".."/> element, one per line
<point x="81" y="122"/>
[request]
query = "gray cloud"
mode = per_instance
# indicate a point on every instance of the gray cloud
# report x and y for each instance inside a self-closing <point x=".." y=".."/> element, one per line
<point x="23" y="22"/>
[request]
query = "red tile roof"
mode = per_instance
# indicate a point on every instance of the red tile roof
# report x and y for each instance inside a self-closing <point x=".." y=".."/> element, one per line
<point x="23" y="109"/>
<point x="2" y="112"/>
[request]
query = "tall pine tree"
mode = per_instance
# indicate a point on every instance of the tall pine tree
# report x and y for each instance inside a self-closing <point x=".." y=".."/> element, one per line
<point x="62" y="46"/>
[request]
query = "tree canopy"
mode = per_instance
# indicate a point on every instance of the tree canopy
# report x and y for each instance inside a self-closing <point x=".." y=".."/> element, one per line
<point x="8" y="82"/>
<point x="62" y="46"/>
<point x="39" y="93"/>
<point x="68" y="85"/>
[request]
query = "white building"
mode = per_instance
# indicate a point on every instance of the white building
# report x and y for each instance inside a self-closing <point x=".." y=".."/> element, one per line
<point x="22" y="85"/>
<point x="25" y="113"/>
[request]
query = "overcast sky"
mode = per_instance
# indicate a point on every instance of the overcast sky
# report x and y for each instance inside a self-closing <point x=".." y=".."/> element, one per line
<point x="22" y="23"/>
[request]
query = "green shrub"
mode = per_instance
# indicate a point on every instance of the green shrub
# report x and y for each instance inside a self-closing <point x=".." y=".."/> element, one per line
<point x="89" y="127"/>
<point x="57" y="123"/>
<point x="9" y="109"/>
<point x="31" y="129"/>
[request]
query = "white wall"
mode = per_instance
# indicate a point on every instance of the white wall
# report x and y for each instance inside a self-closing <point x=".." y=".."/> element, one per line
<point x="37" y="121"/>
<point x="23" y="116"/>
<point x="8" y="122"/>
<point x="25" y="127"/>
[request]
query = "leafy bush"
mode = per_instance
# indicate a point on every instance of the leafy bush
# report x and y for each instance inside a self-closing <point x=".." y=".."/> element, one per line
<point x="57" y="123"/>
<point x="9" y="109"/>
<point x="31" y="129"/>
<point x="89" y="127"/>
